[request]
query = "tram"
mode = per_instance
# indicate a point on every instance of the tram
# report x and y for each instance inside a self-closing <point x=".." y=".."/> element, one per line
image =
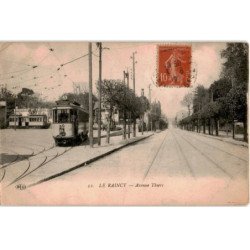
<point x="30" y="121"/>
<point x="37" y="121"/>
<point x="70" y="123"/>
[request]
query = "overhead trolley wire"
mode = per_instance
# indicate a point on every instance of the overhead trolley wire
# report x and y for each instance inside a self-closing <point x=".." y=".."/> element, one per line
<point x="52" y="75"/>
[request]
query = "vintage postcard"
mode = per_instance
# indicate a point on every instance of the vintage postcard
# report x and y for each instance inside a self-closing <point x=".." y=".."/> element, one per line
<point x="124" y="123"/>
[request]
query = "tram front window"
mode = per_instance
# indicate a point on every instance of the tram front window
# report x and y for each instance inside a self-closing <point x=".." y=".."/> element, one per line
<point x="73" y="115"/>
<point x="63" y="115"/>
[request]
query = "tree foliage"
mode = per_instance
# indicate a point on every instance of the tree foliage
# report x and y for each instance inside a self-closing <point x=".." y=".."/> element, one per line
<point x="236" y="64"/>
<point x="226" y="98"/>
<point x="188" y="101"/>
<point x="115" y="94"/>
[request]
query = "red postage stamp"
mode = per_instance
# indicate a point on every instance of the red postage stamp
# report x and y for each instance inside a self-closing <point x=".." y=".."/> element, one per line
<point x="174" y="65"/>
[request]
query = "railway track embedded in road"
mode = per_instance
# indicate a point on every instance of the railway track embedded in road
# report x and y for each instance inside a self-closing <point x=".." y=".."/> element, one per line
<point x="4" y="172"/>
<point x="218" y="148"/>
<point x="183" y="156"/>
<point x="30" y="155"/>
<point x="44" y="162"/>
<point x="157" y="153"/>
<point x="15" y="161"/>
<point x="208" y="158"/>
<point x="24" y="159"/>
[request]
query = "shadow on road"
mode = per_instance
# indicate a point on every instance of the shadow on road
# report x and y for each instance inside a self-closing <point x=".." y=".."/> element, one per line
<point x="9" y="158"/>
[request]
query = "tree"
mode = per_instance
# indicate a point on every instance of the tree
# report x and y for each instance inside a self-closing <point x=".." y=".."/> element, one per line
<point x="236" y="71"/>
<point x="211" y="112"/>
<point x="237" y="101"/>
<point x="226" y="98"/>
<point x="115" y="94"/>
<point x="188" y="101"/>
<point x="27" y="99"/>
<point x="9" y="97"/>
<point x="143" y="107"/>
<point x="201" y="98"/>
<point x="155" y="114"/>
<point x="220" y="88"/>
<point x="236" y="65"/>
<point x="26" y="92"/>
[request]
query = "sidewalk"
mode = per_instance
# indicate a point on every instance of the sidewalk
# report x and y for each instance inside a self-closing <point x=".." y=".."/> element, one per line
<point x="224" y="139"/>
<point x="79" y="156"/>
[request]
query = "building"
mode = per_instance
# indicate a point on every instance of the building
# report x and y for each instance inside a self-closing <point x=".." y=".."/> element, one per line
<point x="35" y="111"/>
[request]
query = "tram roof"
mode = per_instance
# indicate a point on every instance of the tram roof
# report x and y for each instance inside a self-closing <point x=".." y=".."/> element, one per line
<point x="68" y="104"/>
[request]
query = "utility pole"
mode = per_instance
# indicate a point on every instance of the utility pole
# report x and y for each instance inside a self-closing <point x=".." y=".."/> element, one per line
<point x="126" y="76"/>
<point x="90" y="98"/>
<point x="133" y="68"/>
<point x="142" y="116"/>
<point x="99" y="45"/>
<point x="149" y="116"/>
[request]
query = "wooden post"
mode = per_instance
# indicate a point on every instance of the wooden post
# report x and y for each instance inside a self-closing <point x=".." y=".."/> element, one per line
<point x="90" y="98"/>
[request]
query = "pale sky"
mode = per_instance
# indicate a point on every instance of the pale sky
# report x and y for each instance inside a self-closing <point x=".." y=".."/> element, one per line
<point x="17" y="61"/>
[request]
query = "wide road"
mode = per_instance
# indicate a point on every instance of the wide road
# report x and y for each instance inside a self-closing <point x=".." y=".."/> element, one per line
<point x="186" y="167"/>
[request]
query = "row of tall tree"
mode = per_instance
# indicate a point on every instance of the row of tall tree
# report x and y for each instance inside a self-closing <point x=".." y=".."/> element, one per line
<point x="116" y="95"/>
<point x="157" y="120"/>
<point x="225" y="101"/>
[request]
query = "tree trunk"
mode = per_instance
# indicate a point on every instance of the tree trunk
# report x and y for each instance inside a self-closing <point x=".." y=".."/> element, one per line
<point x="216" y="127"/>
<point x="212" y="126"/>
<point x="227" y="126"/>
<point x="209" y="126"/>
<point x="233" y="130"/>
<point x="142" y="125"/>
<point x="245" y="130"/>
<point x="124" y="126"/>
<point x="129" y="121"/>
<point x="134" y="127"/>
<point x="108" y="127"/>
<point x="204" y="126"/>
